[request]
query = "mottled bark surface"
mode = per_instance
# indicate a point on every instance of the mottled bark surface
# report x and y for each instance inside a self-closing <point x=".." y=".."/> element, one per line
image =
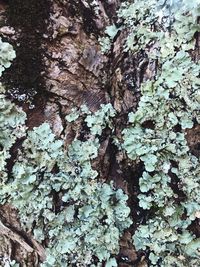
<point x="59" y="65"/>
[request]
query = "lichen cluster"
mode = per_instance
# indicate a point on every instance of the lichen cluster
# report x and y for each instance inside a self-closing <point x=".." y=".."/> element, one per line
<point x="7" y="54"/>
<point x="12" y="127"/>
<point x="90" y="216"/>
<point x="56" y="190"/>
<point x="96" y="121"/>
<point x="170" y="104"/>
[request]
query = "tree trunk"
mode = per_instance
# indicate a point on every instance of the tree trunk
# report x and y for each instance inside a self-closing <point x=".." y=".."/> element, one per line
<point x="59" y="66"/>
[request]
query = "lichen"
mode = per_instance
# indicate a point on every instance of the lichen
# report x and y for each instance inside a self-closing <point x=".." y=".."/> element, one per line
<point x="7" y="54"/>
<point x="12" y="118"/>
<point x="96" y="121"/>
<point x="90" y="217"/>
<point x="57" y="192"/>
<point x="156" y="133"/>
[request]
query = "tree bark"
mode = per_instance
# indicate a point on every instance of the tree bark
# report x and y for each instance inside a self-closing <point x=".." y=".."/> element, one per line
<point x="59" y="65"/>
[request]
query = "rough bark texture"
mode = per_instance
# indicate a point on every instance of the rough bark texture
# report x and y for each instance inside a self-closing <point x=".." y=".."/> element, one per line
<point x="59" y="65"/>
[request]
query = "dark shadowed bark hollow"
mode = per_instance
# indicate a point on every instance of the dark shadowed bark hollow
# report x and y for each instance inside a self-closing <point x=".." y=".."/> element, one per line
<point x="59" y="65"/>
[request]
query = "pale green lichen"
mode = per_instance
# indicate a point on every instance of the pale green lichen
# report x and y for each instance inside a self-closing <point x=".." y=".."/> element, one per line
<point x="170" y="100"/>
<point x="56" y="190"/>
<point x="161" y="237"/>
<point x="153" y="26"/>
<point x="7" y="54"/>
<point x="96" y="121"/>
<point x="91" y="216"/>
<point x="106" y="41"/>
<point x="12" y="118"/>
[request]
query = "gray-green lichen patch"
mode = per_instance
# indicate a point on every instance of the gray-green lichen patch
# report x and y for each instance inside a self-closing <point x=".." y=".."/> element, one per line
<point x="96" y="121"/>
<point x="87" y="218"/>
<point x="7" y="54"/>
<point x="168" y="106"/>
<point x="12" y="127"/>
<point x="57" y="193"/>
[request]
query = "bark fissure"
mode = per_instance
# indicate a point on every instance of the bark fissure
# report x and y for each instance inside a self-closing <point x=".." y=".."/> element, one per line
<point x="29" y="19"/>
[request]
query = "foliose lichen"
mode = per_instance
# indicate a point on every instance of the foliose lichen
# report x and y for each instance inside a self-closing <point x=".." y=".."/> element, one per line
<point x="90" y="216"/>
<point x="12" y="118"/>
<point x="170" y="103"/>
<point x="58" y="193"/>
<point x="56" y="190"/>
<point x="7" y="54"/>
